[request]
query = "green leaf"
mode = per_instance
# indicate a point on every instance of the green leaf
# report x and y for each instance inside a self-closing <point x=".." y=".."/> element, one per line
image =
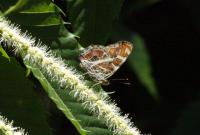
<point x="92" y="20"/>
<point x="55" y="97"/>
<point x="38" y="17"/>
<point x="15" y="7"/>
<point x="18" y="100"/>
<point x="4" y="54"/>
<point x="80" y="117"/>
<point x="140" y="62"/>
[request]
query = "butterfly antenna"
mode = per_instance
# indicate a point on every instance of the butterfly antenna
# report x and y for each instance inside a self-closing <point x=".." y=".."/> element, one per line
<point x="127" y="83"/>
<point x="109" y="93"/>
<point x="122" y="79"/>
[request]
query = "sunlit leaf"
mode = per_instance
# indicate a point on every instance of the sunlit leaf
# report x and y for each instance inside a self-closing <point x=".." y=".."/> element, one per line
<point x="3" y="53"/>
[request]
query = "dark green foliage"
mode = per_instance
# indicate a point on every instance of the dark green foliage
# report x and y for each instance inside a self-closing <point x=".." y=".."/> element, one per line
<point x="18" y="100"/>
<point x="141" y="64"/>
<point x="92" y="20"/>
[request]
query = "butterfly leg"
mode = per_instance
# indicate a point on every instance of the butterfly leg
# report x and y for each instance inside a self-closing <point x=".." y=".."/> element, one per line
<point x="86" y="73"/>
<point x="95" y="84"/>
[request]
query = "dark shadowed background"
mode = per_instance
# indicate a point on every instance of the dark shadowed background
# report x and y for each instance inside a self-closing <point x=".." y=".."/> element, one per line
<point x="171" y="33"/>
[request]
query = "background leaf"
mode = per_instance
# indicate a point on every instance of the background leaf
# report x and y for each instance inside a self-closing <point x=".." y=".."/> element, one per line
<point x="3" y="52"/>
<point x="139" y="60"/>
<point x="18" y="100"/>
<point x="40" y="18"/>
<point x="92" y="20"/>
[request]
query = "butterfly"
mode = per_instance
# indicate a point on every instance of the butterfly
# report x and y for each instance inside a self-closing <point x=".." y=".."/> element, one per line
<point x="101" y="62"/>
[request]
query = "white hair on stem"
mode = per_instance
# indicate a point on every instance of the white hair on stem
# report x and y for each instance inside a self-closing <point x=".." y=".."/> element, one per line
<point x="38" y="54"/>
<point x="6" y="128"/>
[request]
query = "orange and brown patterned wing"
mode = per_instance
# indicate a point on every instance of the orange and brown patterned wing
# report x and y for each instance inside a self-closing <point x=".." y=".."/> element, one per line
<point x="119" y="52"/>
<point x="102" y="62"/>
<point x="91" y="60"/>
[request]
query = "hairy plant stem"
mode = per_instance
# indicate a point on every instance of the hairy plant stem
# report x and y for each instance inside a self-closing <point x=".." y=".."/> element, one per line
<point x="6" y="128"/>
<point x="37" y="54"/>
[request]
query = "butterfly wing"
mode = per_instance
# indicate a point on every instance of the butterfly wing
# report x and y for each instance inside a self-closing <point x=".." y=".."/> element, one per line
<point x="119" y="52"/>
<point x="93" y="60"/>
<point x="102" y="62"/>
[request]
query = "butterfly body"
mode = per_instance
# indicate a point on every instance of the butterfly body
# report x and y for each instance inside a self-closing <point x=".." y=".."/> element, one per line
<point x="101" y="62"/>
